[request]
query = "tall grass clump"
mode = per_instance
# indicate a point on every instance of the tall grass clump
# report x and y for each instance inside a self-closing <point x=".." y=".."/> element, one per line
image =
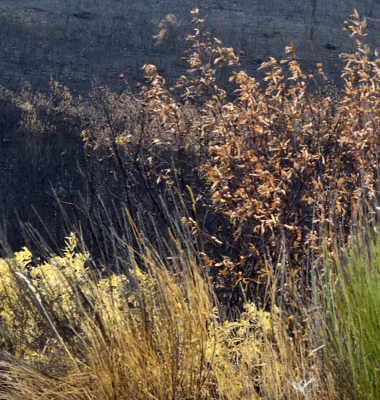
<point x="153" y="330"/>
<point x="352" y="315"/>
<point x="70" y="333"/>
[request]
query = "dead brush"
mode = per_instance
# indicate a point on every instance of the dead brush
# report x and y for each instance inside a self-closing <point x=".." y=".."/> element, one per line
<point x="280" y="163"/>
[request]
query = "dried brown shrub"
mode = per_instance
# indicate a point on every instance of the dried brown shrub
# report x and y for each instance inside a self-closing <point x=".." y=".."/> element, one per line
<point x="280" y="162"/>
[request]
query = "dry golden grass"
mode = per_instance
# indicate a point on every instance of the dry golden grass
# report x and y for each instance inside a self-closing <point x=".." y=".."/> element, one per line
<point x="156" y="331"/>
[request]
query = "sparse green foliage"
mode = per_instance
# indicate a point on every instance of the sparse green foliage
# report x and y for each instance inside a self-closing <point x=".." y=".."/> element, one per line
<point x="352" y="304"/>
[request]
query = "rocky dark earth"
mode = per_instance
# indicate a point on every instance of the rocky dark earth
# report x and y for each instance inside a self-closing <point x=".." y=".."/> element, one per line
<point x="77" y="42"/>
<point x="74" y="41"/>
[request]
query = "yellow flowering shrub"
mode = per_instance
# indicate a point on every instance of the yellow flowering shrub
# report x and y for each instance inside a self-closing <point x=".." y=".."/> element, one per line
<point x="52" y="285"/>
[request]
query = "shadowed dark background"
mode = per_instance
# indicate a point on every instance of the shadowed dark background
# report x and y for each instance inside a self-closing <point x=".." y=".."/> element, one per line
<point x="74" y="42"/>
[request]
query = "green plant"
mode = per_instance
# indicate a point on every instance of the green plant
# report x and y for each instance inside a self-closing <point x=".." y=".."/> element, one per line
<point x="352" y="314"/>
